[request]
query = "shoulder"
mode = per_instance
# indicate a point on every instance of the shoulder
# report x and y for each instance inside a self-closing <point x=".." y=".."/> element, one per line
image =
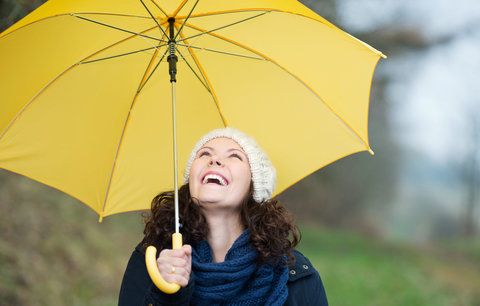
<point x="305" y="285"/>
<point x="135" y="280"/>
<point x="140" y="248"/>
<point x="302" y="267"/>
<point x="136" y="267"/>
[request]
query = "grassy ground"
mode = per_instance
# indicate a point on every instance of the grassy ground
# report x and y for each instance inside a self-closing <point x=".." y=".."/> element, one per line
<point x="360" y="271"/>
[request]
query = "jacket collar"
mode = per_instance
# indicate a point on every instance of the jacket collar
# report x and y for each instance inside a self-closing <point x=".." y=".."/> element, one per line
<point x="302" y="268"/>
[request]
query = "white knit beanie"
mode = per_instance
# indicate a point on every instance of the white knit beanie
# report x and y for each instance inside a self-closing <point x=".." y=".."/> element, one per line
<point x="263" y="172"/>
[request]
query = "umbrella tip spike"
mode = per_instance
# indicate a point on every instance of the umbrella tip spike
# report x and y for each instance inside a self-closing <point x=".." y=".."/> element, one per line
<point x="371" y="151"/>
<point x="100" y="219"/>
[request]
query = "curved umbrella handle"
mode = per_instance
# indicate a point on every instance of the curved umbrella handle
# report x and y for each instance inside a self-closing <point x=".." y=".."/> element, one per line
<point x="152" y="268"/>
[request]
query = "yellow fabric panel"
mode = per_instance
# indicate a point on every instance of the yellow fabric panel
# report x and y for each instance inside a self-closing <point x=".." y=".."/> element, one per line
<point x="333" y="65"/>
<point x="214" y="7"/>
<point x="54" y="8"/>
<point x="68" y="136"/>
<point x="45" y="51"/>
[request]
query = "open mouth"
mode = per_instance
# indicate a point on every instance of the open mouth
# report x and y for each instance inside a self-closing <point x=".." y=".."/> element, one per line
<point x="211" y="178"/>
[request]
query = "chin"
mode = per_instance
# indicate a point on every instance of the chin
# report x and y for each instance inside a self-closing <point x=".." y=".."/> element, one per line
<point x="209" y="199"/>
<point x="217" y="203"/>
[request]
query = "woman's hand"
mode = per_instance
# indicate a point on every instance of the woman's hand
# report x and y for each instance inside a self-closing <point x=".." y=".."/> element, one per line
<point x="175" y="265"/>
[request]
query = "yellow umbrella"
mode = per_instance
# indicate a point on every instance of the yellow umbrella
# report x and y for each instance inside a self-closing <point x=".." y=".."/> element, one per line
<point x="86" y="99"/>
<point x="99" y="128"/>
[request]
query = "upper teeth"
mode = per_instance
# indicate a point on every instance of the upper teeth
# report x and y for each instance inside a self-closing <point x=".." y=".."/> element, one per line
<point x="215" y="176"/>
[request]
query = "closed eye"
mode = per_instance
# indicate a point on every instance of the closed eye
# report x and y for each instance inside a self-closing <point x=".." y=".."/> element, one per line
<point x="204" y="153"/>
<point x="237" y="156"/>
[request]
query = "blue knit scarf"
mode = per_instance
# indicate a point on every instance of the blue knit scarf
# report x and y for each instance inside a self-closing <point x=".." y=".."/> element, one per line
<point x="239" y="280"/>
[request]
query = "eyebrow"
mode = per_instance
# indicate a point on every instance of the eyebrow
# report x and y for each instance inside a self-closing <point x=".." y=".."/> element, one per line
<point x="229" y="150"/>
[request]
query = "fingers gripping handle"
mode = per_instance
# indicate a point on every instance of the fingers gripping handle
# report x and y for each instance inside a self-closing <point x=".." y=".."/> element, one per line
<point x="151" y="262"/>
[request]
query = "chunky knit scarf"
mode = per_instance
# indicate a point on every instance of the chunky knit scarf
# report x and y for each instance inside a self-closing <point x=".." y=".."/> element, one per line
<point x="239" y="280"/>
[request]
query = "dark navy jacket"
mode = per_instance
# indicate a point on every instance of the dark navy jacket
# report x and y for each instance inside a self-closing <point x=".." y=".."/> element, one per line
<point x="304" y="285"/>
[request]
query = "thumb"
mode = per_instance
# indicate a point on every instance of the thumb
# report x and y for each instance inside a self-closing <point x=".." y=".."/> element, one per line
<point x="187" y="249"/>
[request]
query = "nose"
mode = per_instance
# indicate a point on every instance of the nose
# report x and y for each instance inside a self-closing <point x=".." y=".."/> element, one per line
<point x="215" y="161"/>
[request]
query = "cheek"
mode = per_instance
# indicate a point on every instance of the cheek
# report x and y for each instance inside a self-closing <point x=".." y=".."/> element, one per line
<point x="244" y="191"/>
<point x="246" y="178"/>
<point x="194" y="172"/>
<point x="194" y="169"/>
<point x="190" y="178"/>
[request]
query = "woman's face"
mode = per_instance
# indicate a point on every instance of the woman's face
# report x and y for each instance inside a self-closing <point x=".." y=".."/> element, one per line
<point x="220" y="174"/>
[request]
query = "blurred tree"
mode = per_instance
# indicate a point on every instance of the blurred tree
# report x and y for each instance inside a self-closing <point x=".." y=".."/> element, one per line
<point x="397" y="39"/>
<point x="470" y="173"/>
<point x="326" y="8"/>
<point x="12" y="10"/>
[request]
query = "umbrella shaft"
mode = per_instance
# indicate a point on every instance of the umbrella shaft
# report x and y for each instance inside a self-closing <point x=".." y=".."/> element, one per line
<point x="175" y="163"/>
<point x="172" y="69"/>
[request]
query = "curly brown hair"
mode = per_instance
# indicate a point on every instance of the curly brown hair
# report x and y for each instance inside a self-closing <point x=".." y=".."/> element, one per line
<point x="273" y="232"/>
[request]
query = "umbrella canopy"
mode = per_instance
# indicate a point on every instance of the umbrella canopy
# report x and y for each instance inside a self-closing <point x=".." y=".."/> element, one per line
<point x="85" y="94"/>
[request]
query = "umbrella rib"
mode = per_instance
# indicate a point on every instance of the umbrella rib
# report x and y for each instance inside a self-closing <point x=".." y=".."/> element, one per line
<point x="154" y="69"/>
<point x="114" y="44"/>
<point x="123" y="54"/>
<point x="180" y="7"/>
<point x="212" y="90"/>
<point x="266" y="9"/>
<point x="221" y="52"/>
<point x="215" y="13"/>
<point x="144" y="82"/>
<point x="127" y="120"/>
<point x="154" y="19"/>
<point x="110" y="14"/>
<point x="288" y="72"/>
<point x="185" y="21"/>
<point x="222" y="27"/>
<point x="19" y="113"/>
<point x="194" y="72"/>
<point x="67" y="14"/>
<point x="2" y="35"/>
<point x="116" y="28"/>
<point x="158" y="6"/>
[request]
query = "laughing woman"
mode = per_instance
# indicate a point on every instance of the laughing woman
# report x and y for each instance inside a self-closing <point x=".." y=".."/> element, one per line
<point x="239" y="241"/>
